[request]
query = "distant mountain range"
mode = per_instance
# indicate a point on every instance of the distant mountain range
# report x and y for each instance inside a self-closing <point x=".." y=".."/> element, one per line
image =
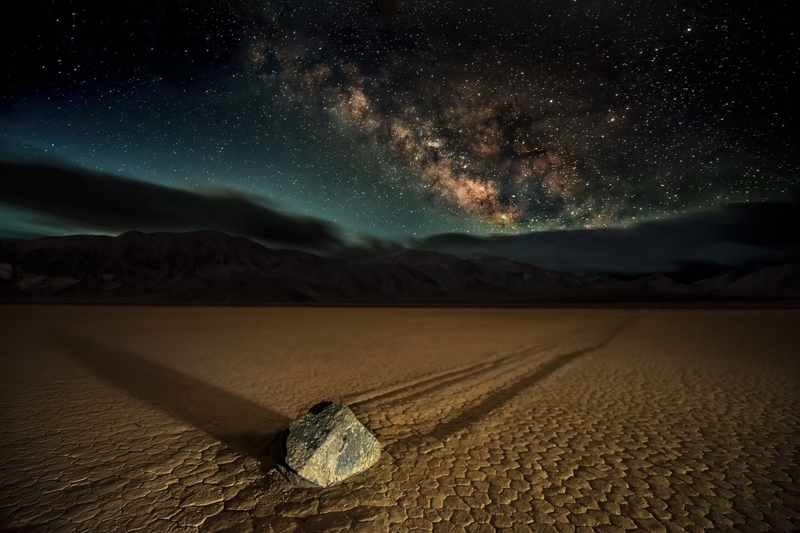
<point x="213" y="267"/>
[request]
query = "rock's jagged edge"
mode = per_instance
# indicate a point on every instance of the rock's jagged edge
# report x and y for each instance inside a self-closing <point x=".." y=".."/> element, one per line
<point x="295" y="478"/>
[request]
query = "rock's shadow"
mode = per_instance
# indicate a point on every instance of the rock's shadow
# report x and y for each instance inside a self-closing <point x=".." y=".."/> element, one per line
<point x="243" y="426"/>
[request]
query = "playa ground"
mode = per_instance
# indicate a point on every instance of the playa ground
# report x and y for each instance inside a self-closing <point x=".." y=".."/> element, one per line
<point x="165" y="418"/>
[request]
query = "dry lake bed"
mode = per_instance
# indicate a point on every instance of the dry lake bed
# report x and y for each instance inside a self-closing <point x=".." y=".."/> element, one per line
<point x="164" y="418"/>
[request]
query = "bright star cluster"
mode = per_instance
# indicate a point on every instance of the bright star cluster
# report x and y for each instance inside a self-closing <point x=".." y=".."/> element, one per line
<point x="411" y="118"/>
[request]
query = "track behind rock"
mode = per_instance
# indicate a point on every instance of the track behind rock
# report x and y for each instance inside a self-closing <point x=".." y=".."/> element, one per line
<point x="520" y="420"/>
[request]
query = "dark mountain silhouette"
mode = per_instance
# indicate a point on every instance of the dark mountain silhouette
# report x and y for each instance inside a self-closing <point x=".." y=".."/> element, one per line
<point x="773" y="281"/>
<point x="213" y="267"/>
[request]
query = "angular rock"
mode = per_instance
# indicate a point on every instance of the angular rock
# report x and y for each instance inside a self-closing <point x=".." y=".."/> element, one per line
<point x="327" y="445"/>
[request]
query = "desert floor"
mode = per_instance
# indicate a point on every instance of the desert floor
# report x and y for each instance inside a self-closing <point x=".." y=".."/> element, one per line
<point x="161" y="418"/>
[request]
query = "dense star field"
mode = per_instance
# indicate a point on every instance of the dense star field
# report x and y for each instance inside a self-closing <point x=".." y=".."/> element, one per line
<point x="404" y="120"/>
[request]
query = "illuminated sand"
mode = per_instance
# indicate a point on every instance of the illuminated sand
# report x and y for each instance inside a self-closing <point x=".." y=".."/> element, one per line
<point x="159" y="419"/>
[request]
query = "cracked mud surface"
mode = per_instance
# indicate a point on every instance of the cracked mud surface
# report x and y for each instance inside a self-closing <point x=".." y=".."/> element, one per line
<point x="160" y="419"/>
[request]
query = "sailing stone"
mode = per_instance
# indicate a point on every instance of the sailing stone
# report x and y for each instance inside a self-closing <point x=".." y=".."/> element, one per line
<point x="328" y="445"/>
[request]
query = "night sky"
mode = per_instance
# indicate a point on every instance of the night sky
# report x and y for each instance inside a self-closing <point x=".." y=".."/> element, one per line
<point x="419" y="121"/>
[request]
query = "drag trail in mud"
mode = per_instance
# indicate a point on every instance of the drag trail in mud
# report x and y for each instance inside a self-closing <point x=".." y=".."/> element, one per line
<point x="160" y="419"/>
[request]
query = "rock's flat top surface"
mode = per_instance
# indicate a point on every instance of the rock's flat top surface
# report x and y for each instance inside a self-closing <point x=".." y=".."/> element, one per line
<point x="154" y="419"/>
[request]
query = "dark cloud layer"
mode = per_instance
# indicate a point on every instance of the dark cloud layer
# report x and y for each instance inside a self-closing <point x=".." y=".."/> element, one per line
<point x="688" y="247"/>
<point x="115" y="204"/>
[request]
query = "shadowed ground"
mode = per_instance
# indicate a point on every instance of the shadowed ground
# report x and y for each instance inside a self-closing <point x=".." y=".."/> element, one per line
<point x="242" y="425"/>
<point x="159" y="419"/>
